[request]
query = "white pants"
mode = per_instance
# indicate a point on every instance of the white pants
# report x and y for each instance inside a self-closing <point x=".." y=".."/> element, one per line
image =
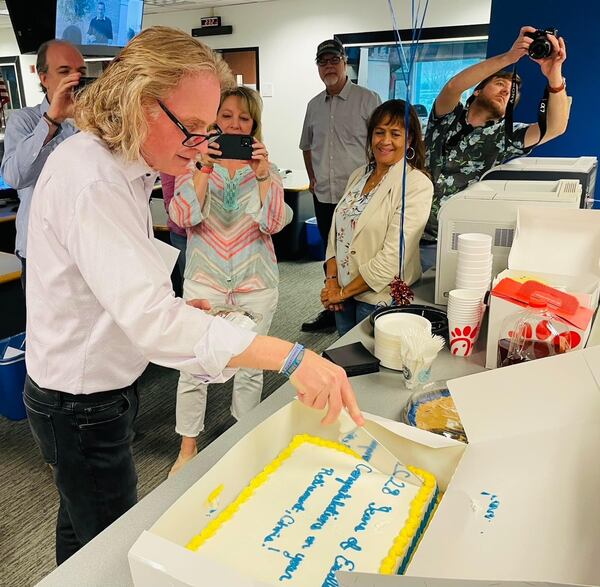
<point x="247" y="383"/>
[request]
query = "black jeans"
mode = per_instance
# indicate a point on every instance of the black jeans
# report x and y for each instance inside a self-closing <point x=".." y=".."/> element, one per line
<point x="23" y="267"/>
<point x="87" y="440"/>
<point x="324" y="216"/>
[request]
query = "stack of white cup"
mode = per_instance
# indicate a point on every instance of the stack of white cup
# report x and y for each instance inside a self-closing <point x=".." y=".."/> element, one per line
<point x="474" y="268"/>
<point x="465" y="309"/>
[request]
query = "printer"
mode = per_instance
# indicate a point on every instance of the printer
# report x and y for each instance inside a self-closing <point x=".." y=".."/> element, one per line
<point x="490" y="207"/>
<point x="551" y="168"/>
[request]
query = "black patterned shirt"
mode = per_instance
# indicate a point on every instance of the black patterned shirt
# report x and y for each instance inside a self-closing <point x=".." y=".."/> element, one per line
<point x="458" y="154"/>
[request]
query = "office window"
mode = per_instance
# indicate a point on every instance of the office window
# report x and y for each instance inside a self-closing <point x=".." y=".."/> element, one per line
<point x="376" y="62"/>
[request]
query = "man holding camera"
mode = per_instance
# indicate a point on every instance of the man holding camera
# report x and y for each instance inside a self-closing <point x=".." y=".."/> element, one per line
<point x="33" y="133"/>
<point x="465" y="141"/>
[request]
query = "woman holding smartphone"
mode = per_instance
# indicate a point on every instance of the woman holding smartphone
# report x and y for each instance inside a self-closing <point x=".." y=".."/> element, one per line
<point x="230" y="208"/>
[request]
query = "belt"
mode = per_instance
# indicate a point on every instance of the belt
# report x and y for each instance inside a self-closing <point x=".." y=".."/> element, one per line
<point x="96" y="397"/>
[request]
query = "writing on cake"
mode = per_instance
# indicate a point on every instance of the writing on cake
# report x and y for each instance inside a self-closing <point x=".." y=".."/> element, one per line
<point x="319" y="508"/>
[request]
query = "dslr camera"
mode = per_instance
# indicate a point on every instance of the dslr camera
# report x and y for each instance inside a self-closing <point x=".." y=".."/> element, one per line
<point x="541" y="47"/>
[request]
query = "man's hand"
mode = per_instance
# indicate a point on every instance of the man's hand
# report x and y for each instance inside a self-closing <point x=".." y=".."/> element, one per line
<point x="200" y="304"/>
<point x="321" y="384"/>
<point x="551" y="66"/>
<point x="312" y="185"/>
<point x="61" y="106"/>
<point x="520" y="47"/>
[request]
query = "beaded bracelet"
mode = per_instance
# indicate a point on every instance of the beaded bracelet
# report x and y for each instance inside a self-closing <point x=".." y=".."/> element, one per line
<point x="293" y="360"/>
<point x="206" y="169"/>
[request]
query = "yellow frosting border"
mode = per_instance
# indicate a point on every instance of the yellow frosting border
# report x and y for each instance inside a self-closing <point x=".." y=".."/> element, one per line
<point x="213" y="526"/>
<point x="418" y="507"/>
<point x="401" y="543"/>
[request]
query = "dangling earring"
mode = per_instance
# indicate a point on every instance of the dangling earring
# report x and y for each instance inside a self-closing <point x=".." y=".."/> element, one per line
<point x="410" y="154"/>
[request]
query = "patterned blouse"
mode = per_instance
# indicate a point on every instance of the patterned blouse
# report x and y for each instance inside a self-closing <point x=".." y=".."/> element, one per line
<point x="454" y="167"/>
<point x="229" y="239"/>
<point x="347" y="213"/>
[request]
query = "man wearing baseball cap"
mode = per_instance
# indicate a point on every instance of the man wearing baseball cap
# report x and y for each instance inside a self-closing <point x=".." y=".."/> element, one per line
<point x="333" y="141"/>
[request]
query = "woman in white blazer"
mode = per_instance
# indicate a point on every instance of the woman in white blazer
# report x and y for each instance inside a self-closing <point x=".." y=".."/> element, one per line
<point x="363" y="250"/>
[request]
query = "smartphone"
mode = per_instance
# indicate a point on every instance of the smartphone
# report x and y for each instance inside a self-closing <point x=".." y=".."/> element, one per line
<point x="235" y="146"/>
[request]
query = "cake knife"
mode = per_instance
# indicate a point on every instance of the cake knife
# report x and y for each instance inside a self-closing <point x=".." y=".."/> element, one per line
<point x="371" y="450"/>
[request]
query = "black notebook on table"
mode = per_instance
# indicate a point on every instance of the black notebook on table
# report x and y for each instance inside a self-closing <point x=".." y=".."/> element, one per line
<point x="354" y="358"/>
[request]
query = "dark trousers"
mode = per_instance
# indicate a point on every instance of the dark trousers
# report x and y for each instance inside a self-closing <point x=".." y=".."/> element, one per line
<point x="87" y="440"/>
<point x="324" y="216"/>
<point x="23" y="266"/>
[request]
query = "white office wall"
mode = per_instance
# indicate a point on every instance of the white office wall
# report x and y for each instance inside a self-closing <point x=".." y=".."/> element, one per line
<point x="8" y="42"/>
<point x="287" y="33"/>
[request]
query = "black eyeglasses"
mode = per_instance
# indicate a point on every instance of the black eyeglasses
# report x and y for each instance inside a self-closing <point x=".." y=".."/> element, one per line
<point x="331" y="61"/>
<point x="191" y="139"/>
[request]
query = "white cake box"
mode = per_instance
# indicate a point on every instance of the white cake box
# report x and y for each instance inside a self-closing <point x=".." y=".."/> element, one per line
<point x="533" y="443"/>
<point x="558" y="247"/>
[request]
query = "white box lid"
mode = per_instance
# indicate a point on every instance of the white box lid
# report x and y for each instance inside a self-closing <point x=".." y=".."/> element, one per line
<point x="533" y="443"/>
<point x="556" y="240"/>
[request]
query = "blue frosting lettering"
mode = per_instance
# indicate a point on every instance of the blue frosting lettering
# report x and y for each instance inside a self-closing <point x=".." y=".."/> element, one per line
<point x="340" y="563"/>
<point x="494" y="505"/>
<point x="369" y="513"/>
<point x="308" y="542"/>
<point x="352" y="543"/>
<point x="285" y="521"/>
<point x="369" y="449"/>
<point x="350" y="436"/>
<point x="318" y="481"/>
<point x="295" y="560"/>
<point x="331" y="511"/>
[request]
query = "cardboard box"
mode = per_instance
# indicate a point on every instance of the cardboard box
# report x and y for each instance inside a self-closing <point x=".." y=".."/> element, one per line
<point x="560" y="248"/>
<point x="533" y="443"/>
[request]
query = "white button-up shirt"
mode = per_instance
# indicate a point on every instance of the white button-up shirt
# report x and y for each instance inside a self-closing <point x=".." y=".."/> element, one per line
<point x="100" y="304"/>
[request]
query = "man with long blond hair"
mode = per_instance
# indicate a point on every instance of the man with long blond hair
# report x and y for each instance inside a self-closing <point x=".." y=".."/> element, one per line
<point x="100" y="302"/>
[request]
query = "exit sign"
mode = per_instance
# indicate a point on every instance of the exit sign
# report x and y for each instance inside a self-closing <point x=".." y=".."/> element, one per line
<point x="207" y="21"/>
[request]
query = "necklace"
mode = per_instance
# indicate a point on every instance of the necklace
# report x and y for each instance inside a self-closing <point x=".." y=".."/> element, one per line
<point x="373" y="182"/>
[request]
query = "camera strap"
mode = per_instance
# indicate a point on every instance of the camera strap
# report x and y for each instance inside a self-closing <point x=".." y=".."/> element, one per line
<point x="508" y="116"/>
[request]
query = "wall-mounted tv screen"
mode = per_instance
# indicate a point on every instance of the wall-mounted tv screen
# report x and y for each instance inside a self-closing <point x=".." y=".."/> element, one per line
<point x="99" y="27"/>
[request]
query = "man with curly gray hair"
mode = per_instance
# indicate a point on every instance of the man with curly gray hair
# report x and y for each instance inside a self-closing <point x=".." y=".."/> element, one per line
<point x="99" y="296"/>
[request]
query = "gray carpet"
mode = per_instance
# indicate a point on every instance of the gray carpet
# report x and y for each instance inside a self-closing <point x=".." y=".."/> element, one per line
<point x="28" y="498"/>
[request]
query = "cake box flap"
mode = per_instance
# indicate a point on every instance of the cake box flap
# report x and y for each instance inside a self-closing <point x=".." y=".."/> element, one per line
<point x="556" y="240"/>
<point x="157" y="562"/>
<point x="532" y="456"/>
<point x="531" y="397"/>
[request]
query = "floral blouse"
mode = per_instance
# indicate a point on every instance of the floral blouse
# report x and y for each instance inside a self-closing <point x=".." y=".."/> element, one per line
<point x="347" y="213"/>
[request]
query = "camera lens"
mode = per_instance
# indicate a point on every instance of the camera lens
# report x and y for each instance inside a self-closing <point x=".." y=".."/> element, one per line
<point x="540" y="48"/>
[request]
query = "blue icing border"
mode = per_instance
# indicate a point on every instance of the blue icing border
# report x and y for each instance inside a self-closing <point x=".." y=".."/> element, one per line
<point x="419" y="533"/>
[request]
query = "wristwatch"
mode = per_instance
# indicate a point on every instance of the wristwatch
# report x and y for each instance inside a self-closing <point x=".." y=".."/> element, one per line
<point x="560" y="88"/>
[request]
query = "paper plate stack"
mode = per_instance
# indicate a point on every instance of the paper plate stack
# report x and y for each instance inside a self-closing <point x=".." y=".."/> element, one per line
<point x="388" y="336"/>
